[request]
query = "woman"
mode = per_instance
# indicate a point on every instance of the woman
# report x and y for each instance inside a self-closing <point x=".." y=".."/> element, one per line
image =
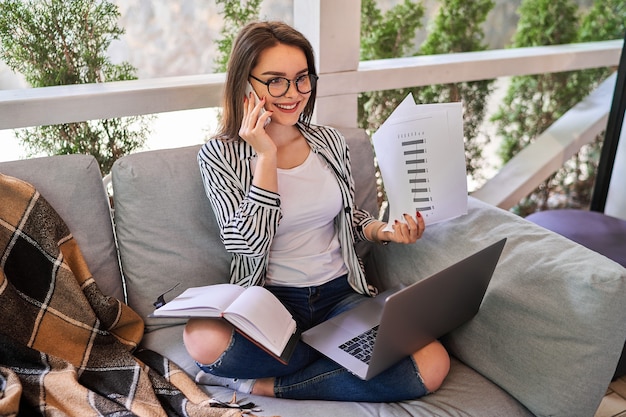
<point x="282" y="192"/>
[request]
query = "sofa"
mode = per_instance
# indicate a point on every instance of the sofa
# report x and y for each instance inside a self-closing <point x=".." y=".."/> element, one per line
<point x="545" y="341"/>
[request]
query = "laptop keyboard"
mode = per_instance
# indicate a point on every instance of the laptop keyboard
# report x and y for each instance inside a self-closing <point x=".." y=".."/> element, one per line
<point x="361" y="346"/>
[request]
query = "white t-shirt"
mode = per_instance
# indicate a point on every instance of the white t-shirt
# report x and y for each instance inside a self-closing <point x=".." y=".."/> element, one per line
<point x="305" y="251"/>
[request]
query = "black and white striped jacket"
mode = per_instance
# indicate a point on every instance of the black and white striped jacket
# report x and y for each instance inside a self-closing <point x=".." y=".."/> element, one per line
<point x="248" y="216"/>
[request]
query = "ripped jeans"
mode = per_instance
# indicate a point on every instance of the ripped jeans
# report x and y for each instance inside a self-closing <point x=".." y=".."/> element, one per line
<point x="310" y="375"/>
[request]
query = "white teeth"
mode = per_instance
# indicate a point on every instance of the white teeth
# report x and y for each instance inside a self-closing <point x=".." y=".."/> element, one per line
<point x="282" y="106"/>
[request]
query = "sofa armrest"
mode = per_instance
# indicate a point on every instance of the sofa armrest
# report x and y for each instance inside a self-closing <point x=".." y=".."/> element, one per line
<point x="550" y="329"/>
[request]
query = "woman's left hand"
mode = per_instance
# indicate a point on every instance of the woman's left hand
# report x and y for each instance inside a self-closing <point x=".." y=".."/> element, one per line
<point x="407" y="232"/>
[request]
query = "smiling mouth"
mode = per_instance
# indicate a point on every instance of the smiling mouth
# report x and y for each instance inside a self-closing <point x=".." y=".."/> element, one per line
<point x="286" y="107"/>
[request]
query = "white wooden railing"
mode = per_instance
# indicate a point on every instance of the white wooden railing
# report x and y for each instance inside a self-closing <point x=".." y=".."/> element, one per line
<point x="73" y="103"/>
<point x="342" y="78"/>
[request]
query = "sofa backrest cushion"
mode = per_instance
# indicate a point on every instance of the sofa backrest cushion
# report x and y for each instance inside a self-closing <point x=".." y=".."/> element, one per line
<point x="166" y="229"/>
<point x="551" y="326"/>
<point x="72" y="184"/>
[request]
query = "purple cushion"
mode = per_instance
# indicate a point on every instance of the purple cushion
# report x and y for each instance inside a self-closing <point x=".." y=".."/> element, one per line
<point x="594" y="230"/>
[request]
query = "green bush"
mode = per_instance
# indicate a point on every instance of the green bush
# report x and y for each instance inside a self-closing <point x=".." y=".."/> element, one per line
<point x="61" y="42"/>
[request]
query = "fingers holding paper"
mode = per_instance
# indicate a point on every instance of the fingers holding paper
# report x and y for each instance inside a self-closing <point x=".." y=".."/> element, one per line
<point x="408" y="231"/>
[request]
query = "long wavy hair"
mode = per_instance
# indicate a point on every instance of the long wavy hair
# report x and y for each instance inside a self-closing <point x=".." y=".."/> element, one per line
<point x="253" y="39"/>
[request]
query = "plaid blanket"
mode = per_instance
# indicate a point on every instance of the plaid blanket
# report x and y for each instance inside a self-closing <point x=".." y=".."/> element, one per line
<point x="66" y="348"/>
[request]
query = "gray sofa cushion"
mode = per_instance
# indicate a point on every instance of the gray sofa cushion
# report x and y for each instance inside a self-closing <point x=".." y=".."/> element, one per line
<point x="550" y="330"/>
<point x="166" y="228"/>
<point x="72" y="184"/>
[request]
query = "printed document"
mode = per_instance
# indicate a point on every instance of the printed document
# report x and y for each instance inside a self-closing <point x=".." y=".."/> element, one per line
<point x="421" y="157"/>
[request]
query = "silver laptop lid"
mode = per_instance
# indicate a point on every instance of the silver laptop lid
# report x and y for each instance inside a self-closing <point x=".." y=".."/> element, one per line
<point x="435" y="305"/>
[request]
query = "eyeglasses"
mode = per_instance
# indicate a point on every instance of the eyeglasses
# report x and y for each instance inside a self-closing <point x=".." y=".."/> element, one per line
<point x="278" y="86"/>
<point x="160" y="302"/>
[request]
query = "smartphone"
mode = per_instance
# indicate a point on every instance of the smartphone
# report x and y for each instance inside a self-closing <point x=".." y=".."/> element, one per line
<point x="249" y="90"/>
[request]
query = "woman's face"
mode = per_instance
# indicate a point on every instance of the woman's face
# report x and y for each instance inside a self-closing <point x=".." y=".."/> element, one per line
<point x="287" y="62"/>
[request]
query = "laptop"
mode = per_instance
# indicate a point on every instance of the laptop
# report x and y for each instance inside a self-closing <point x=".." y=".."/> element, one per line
<point x="381" y="331"/>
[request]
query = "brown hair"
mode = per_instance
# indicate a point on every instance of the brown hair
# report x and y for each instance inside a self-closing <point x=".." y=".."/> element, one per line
<point x="253" y="39"/>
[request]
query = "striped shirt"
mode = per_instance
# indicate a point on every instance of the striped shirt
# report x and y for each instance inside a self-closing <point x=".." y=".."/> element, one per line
<point x="248" y="216"/>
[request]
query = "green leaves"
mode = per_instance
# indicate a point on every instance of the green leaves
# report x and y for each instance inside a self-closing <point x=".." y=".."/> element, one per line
<point x="390" y="35"/>
<point x="58" y="42"/>
<point x="62" y="42"/>
<point x="458" y="27"/>
<point x="236" y="14"/>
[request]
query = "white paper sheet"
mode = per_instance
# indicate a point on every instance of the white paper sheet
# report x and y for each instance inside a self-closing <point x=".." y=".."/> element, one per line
<point x="421" y="156"/>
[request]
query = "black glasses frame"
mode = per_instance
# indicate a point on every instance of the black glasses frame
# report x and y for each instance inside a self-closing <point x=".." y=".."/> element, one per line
<point x="160" y="301"/>
<point x="312" y="78"/>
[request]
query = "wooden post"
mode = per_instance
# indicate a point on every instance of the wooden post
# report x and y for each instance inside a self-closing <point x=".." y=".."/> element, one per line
<point x="333" y="28"/>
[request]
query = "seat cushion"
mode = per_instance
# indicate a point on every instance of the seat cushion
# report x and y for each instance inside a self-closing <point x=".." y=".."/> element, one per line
<point x="72" y="184"/>
<point x="550" y="329"/>
<point x="594" y="230"/>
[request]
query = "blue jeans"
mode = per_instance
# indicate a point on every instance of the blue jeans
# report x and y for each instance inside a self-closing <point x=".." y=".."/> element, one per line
<point x="310" y="375"/>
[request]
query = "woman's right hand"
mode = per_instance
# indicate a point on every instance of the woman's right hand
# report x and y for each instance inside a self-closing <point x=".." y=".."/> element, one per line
<point x="253" y="126"/>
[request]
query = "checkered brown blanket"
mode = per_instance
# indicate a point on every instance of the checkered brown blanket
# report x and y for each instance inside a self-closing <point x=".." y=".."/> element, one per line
<point x="66" y="348"/>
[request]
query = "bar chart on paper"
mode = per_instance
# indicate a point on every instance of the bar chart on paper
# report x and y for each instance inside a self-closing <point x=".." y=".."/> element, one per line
<point x="416" y="163"/>
<point x="421" y="158"/>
